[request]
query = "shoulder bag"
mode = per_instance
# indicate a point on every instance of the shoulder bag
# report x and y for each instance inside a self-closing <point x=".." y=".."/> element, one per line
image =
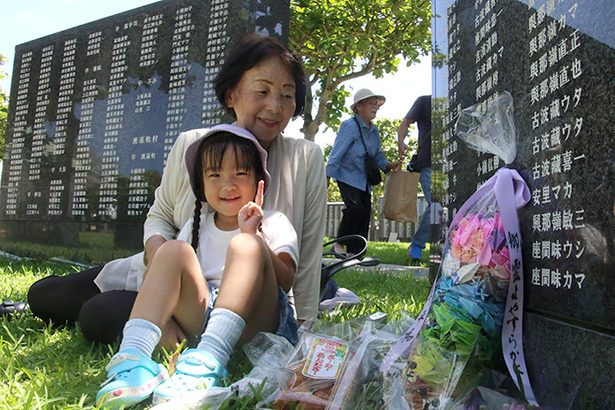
<point x="371" y="167"/>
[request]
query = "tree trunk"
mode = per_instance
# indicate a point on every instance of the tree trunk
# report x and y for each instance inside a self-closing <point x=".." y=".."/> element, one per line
<point x="311" y="124"/>
<point x="309" y="128"/>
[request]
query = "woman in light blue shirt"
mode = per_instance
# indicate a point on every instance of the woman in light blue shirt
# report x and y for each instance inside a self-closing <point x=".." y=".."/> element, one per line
<point x="346" y="165"/>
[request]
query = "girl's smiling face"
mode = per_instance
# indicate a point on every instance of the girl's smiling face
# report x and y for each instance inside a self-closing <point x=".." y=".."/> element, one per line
<point x="264" y="100"/>
<point x="228" y="188"/>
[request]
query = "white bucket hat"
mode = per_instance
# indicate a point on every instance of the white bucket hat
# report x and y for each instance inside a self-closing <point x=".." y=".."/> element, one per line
<point x="193" y="151"/>
<point x="364" y="94"/>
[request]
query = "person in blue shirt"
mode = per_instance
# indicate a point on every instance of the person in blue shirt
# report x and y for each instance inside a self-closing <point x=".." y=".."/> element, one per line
<point x="346" y="165"/>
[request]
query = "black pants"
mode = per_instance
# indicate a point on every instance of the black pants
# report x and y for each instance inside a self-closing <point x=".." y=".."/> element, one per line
<point x="64" y="300"/>
<point x="355" y="215"/>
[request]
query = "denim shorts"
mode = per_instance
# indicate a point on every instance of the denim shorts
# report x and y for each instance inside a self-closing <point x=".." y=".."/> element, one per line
<point x="287" y="327"/>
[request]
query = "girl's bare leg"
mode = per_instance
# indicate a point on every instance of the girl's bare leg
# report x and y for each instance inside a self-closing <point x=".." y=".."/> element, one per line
<point x="174" y="287"/>
<point x="249" y="287"/>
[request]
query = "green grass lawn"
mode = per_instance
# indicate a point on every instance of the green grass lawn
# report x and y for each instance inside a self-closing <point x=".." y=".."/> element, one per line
<point x="50" y="368"/>
<point x="97" y="247"/>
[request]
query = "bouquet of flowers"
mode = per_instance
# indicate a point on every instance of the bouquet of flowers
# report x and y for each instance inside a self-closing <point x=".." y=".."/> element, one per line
<point x="476" y="303"/>
<point x="467" y="308"/>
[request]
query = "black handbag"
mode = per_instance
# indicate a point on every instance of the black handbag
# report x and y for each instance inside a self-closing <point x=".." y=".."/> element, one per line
<point x="373" y="172"/>
<point x="413" y="165"/>
<point x="371" y="167"/>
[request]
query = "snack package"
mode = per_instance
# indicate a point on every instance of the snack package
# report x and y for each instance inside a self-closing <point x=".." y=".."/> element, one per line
<point x="316" y="364"/>
<point x="335" y="366"/>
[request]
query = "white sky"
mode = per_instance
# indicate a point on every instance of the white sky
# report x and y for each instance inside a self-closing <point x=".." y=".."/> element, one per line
<point x="26" y="20"/>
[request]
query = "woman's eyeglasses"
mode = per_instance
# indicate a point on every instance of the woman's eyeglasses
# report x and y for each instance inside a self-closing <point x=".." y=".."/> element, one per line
<point x="374" y="103"/>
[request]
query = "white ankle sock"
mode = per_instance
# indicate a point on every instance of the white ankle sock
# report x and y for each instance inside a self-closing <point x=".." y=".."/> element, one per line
<point x="142" y="335"/>
<point x="221" y="334"/>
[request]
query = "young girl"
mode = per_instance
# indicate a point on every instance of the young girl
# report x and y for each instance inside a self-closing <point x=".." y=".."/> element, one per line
<point x="230" y="281"/>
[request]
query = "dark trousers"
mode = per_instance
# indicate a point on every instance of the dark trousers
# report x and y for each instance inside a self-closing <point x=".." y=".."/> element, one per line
<point x="67" y="299"/>
<point x="356" y="214"/>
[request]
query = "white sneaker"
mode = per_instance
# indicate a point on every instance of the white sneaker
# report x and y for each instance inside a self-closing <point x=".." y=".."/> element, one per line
<point x="343" y="296"/>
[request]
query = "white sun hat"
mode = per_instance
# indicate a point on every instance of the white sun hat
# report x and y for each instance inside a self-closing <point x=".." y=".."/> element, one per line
<point x="364" y="94"/>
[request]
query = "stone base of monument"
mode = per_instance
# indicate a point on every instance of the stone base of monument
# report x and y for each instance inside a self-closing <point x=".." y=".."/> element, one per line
<point x="565" y="361"/>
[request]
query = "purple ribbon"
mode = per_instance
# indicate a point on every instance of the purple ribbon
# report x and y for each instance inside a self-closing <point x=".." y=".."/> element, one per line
<point x="407" y="341"/>
<point x="511" y="193"/>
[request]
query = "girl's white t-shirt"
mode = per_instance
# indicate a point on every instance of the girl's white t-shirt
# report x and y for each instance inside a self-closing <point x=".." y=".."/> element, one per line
<point x="298" y="190"/>
<point x="277" y="231"/>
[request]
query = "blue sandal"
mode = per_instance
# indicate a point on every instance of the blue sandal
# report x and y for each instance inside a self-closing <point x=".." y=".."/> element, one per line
<point x="196" y="370"/>
<point x="131" y="378"/>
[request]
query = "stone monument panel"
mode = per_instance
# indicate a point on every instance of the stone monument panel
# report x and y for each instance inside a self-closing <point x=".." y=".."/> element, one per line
<point x="95" y="110"/>
<point x="557" y="59"/>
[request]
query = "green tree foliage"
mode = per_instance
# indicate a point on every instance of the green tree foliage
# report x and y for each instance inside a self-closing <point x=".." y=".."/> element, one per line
<point x="4" y="109"/>
<point x="339" y="40"/>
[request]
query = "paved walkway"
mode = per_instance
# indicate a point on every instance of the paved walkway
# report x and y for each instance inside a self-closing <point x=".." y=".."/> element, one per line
<point x="417" y="271"/>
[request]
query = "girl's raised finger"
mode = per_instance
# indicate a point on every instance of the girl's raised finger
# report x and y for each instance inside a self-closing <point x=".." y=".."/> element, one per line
<point x="260" y="193"/>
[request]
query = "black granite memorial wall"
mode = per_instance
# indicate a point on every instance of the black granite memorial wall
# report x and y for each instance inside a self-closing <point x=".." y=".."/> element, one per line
<point x="557" y="59"/>
<point x="95" y="110"/>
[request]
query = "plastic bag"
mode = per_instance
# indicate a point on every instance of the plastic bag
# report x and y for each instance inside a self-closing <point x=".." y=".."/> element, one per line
<point x="464" y="316"/>
<point x="494" y="390"/>
<point x="493" y="131"/>
<point x="362" y="385"/>
<point x="400" y="196"/>
<point x="483" y="398"/>
<point x="359" y="345"/>
<point x="476" y="305"/>
<point x="422" y="383"/>
<point x="432" y="375"/>
<point x="268" y="353"/>
<point x="316" y="365"/>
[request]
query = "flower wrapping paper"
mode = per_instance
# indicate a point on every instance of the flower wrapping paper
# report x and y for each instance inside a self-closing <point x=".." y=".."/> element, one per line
<point x="476" y="301"/>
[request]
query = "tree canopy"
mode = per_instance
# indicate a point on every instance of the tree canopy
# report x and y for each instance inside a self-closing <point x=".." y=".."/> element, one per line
<point x="339" y="40"/>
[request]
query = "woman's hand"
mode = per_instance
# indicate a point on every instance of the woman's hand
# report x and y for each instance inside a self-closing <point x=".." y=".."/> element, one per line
<point x="251" y="214"/>
<point x="151" y="246"/>
<point x="394" y="166"/>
